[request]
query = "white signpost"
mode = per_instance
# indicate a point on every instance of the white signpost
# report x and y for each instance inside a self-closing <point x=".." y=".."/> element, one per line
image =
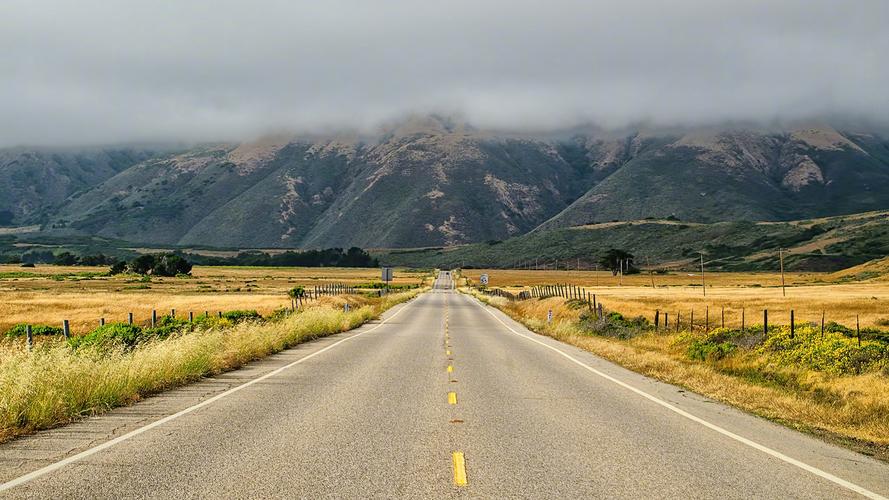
<point x="484" y="279"/>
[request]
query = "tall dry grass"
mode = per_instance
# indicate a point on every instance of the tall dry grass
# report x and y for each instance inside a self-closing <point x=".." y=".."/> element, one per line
<point x="851" y="408"/>
<point x="54" y="384"/>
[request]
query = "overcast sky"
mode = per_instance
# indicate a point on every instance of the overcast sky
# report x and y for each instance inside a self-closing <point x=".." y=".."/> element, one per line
<point x="92" y="71"/>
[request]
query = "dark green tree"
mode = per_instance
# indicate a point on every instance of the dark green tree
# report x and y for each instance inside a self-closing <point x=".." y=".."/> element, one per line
<point x="142" y="264"/>
<point x="65" y="259"/>
<point x="615" y="258"/>
<point x="170" y="264"/>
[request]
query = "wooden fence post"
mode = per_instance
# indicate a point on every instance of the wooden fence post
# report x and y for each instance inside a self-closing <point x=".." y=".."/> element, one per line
<point x="29" y="337"/>
<point x="723" y="316"/>
<point x="172" y="313"/>
<point x="130" y="318"/>
<point x="858" y="329"/>
<point x="765" y="323"/>
<point x="822" y="323"/>
<point x="657" y="319"/>
<point x="101" y="321"/>
<point x="191" y="316"/>
<point x="153" y="318"/>
<point x="743" y="314"/>
<point x="792" y="325"/>
<point x="66" y="329"/>
<point x="666" y="320"/>
<point x="679" y="320"/>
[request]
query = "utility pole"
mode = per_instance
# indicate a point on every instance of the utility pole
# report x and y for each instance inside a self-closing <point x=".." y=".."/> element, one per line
<point x="703" y="282"/>
<point x="651" y="276"/>
<point x="781" y="259"/>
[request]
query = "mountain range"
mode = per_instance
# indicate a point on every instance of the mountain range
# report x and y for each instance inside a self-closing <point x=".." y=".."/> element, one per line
<point x="433" y="181"/>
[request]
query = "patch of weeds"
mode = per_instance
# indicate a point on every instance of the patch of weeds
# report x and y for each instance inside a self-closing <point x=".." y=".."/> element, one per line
<point x="17" y="274"/>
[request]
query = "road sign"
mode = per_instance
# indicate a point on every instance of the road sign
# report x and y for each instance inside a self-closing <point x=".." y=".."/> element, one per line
<point x="387" y="274"/>
<point x="484" y="279"/>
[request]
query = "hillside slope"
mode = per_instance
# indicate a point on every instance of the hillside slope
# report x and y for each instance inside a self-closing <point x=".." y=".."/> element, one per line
<point x="824" y="244"/>
<point x="34" y="181"/>
<point x="709" y="176"/>
<point x="426" y="182"/>
<point x="432" y="181"/>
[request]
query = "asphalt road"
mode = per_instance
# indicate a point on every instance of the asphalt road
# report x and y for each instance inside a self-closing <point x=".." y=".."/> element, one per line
<point x="444" y="397"/>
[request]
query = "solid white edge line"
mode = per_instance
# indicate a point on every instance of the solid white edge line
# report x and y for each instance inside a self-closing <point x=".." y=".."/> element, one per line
<point x="777" y="454"/>
<point x="108" y="444"/>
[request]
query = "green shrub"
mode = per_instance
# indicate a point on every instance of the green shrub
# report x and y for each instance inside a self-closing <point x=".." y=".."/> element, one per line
<point x="704" y="350"/>
<point x="279" y="314"/>
<point x="112" y="335"/>
<point x="835" y="353"/>
<point x="20" y="330"/>
<point x="239" y="316"/>
<point x="614" y="325"/>
<point x="130" y="336"/>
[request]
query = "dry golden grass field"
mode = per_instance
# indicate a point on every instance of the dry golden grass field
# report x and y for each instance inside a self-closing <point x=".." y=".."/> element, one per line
<point x="808" y="294"/>
<point x="49" y="294"/>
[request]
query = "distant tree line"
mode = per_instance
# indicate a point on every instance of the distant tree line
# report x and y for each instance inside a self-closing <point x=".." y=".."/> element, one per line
<point x="60" y="259"/>
<point x="69" y="259"/>
<point x="328" y="257"/>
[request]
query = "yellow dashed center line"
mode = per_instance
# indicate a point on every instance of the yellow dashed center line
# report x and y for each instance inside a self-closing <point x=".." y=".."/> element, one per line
<point x="459" y="461"/>
<point x="459" y="468"/>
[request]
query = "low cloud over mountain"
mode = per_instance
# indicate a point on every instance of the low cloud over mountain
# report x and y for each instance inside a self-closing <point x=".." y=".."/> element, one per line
<point x="99" y="73"/>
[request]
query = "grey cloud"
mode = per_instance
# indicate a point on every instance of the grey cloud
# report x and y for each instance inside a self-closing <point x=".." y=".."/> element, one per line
<point x="90" y="71"/>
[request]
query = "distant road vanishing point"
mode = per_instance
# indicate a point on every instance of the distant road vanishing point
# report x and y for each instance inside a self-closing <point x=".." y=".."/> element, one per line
<point x="442" y="397"/>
